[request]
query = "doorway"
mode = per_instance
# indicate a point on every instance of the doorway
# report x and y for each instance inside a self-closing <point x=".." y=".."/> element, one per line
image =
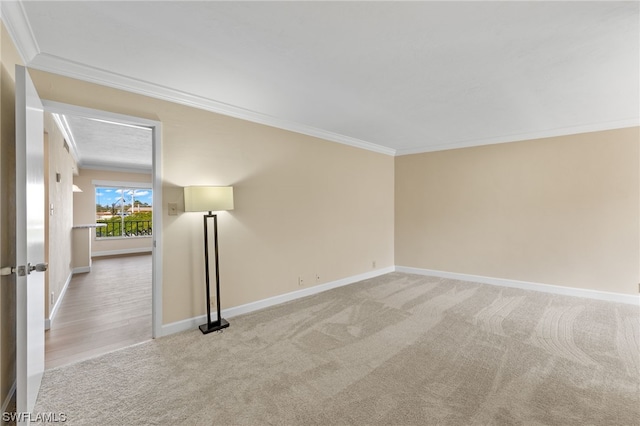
<point x="129" y="261"/>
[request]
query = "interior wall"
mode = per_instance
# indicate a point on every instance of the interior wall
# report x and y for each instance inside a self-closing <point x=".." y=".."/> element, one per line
<point x="9" y="58"/>
<point x="84" y="208"/>
<point x="562" y="211"/>
<point x="305" y="207"/>
<point x="59" y="220"/>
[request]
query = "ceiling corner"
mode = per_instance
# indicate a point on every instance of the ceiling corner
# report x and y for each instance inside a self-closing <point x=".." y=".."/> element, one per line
<point x="53" y="64"/>
<point x="15" y="19"/>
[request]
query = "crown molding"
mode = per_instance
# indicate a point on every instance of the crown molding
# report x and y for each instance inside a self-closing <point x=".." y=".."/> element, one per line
<point x="68" y="137"/>
<point x="15" y="19"/>
<point x="61" y="66"/>
<point x="14" y="16"/>
<point x="114" y="168"/>
<point x="564" y="131"/>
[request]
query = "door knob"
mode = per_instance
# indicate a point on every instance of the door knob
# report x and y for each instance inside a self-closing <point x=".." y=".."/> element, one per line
<point x="40" y="267"/>
<point x="22" y="271"/>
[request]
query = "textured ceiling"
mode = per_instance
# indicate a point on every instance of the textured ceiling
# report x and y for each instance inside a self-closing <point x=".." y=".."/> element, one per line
<point x="105" y="144"/>
<point x="394" y="77"/>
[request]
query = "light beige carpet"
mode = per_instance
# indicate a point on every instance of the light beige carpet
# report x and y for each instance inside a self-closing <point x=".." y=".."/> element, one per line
<point x="395" y="350"/>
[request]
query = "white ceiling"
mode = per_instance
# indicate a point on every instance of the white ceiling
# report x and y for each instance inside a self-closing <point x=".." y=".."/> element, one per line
<point x="101" y="144"/>
<point x="393" y="77"/>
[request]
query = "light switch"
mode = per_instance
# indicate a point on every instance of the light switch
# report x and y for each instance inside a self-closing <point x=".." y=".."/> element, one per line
<point x="173" y="209"/>
<point x="50" y="209"/>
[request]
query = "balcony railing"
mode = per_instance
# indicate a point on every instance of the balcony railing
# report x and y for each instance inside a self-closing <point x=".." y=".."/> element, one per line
<point x="131" y="228"/>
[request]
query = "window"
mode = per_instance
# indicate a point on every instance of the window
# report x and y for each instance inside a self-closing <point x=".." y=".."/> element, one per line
<point x="126" y="211"/>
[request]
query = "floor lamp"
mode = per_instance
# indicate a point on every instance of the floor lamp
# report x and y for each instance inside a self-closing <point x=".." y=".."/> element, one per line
<point x="210" y="199"/>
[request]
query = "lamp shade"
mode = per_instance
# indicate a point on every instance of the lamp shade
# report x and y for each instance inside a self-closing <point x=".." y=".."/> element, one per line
<point x="208" y="198"/>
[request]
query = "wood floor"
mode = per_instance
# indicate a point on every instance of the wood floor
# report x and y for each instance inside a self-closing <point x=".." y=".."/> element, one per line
<point x="106" y="309"/>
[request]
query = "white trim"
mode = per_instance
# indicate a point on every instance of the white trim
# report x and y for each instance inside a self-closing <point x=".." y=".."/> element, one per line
<point x="15" y="19"/>
<point x="54" y="310"/>
<point x="61" y="66"/>
<point x="121" y="251"/>
<point x="68" y="109"/>
<point x="192" y="323"/>
<point x="20" y="31"/>
<point x="526" y="285"/>
<point x="68" y="136"/>
<point x="115" y="184"/>
<point x="7" y="399"/>
<point x="565" y="131"/>
<point x="134" y="237"/>
<point x="81" y="269"/>
<point x="92" y="166"/>
<point x="156" y="258"/>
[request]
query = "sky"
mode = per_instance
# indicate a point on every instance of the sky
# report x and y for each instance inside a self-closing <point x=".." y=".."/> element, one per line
<point x="108" y="196"/>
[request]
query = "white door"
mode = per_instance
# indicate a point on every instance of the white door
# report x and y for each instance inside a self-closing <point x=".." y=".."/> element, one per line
<point x="29" y="242"/>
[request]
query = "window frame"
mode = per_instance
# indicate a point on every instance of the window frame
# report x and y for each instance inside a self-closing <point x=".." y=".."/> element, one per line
<point x="122" y="186"/>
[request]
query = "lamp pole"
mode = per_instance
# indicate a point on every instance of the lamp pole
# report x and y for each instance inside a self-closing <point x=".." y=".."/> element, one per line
<point x="220" y="323"/>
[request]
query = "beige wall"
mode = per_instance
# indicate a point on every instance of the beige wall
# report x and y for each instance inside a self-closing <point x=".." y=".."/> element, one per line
<point x="57" y="224"/>
<point x="303" y="205"/>
<point x="561" y="211"/>
<point x="9" y="57"/>
<point x="84" y="208"/>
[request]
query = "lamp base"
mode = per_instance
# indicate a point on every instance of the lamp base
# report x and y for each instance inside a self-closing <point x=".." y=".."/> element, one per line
<point x="214" y="326"/>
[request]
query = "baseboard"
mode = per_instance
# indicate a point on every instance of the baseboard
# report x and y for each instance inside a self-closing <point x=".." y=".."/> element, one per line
<point x="121" y="252"/>
<point x="525" y="285"/>
<point x="54" y="310"/>
<point x="81" y="270"/>
<point x="7" y="399"/>
<point x="193" y="323"/>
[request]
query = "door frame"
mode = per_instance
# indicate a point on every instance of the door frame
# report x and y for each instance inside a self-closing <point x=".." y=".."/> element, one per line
<point x="156" y="175"/>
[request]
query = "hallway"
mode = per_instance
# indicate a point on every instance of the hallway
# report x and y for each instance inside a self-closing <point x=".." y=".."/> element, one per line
<point x="104" y="310"/>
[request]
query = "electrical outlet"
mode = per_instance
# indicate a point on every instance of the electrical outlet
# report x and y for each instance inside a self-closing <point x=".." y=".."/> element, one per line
<point x="317" y="277"/>
<point x="300" y="281"/>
